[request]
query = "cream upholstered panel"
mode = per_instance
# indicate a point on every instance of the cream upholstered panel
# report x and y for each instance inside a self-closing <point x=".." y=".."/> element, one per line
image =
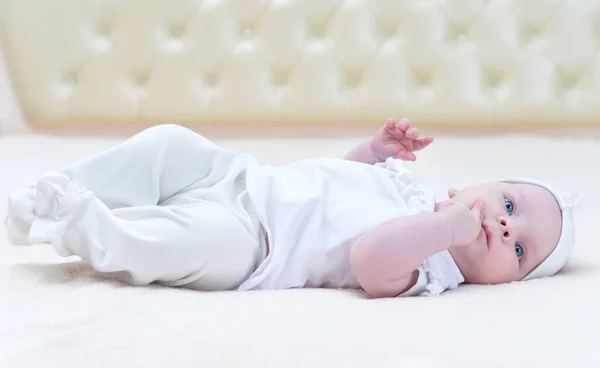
<point x="11" y="116"/>
<point x="309" y="62"/>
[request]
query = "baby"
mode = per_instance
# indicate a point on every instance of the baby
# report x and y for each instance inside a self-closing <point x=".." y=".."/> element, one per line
<point x="170" y="207"/>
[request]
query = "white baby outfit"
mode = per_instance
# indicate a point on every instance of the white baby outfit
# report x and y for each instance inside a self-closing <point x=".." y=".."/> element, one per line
<point x="169" y="206"/>
<point x="314" y="210"/>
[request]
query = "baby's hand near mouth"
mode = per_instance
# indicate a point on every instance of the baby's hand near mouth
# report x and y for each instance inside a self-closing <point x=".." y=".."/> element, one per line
<point x="398" y="140"/>
<point x="464" y="222"/>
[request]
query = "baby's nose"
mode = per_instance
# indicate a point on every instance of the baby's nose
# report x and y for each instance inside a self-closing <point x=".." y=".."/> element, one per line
<point x="506" y="229"/>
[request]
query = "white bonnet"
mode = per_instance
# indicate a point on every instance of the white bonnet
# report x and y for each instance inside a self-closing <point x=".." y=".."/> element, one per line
<point x="557" y="259"/>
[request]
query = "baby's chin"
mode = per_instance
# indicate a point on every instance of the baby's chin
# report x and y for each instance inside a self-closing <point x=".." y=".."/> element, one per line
<point x="474" y="273"/>
<point x="469" y="258"/>
<point x="478" y="271"/>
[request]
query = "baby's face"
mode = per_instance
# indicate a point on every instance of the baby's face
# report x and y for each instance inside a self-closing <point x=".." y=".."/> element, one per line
<point x="521" y="226"/>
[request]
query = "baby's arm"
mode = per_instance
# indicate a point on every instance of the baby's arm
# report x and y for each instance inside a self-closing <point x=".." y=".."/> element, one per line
<point x="385" y="259"/>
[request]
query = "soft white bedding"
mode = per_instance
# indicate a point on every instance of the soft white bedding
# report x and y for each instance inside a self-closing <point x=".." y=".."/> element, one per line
<point x="57" y="313"/>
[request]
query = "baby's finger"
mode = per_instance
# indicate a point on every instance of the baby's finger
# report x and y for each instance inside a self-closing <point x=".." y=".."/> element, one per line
<point x="406" y="156"/>
<point x="422" y="143"/>
<point x="404" y="124"/>
<point x="390" y="123"/>
<point x="477" y="211"/>
<point x="412" y="133"/>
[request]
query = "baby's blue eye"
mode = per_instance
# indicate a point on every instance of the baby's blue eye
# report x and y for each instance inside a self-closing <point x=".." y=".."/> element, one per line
<point x="509" y="206"/>
<point x="519" y="250"/>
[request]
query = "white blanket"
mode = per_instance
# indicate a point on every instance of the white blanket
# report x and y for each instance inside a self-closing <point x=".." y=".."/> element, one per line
<point x="58" y="313"/>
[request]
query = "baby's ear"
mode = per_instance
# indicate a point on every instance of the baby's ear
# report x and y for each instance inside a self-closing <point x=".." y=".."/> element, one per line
<point x="452" y="192"/>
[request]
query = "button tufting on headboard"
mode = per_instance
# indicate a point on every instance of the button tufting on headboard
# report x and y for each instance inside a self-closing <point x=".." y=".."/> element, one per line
<point x="452" y="62"/>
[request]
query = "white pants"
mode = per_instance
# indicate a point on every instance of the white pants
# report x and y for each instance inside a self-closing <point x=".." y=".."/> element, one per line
<point x="166" y="206"/>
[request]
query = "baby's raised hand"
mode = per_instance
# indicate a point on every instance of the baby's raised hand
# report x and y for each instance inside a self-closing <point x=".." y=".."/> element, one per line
<point x="398" y="140"/>
<point x="464" y="222"/>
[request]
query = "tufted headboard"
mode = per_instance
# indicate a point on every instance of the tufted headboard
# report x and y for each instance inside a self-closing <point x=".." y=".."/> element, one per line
<point x="444" y="63"/>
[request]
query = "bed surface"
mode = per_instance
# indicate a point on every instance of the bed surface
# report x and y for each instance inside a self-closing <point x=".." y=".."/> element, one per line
<point x="57" y="313"/>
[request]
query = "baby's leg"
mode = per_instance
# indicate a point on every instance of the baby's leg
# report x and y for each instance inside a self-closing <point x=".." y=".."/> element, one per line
<point x="150" y="167"/>
<point x="200" y="245"/>
<point x="144" y="170"/>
